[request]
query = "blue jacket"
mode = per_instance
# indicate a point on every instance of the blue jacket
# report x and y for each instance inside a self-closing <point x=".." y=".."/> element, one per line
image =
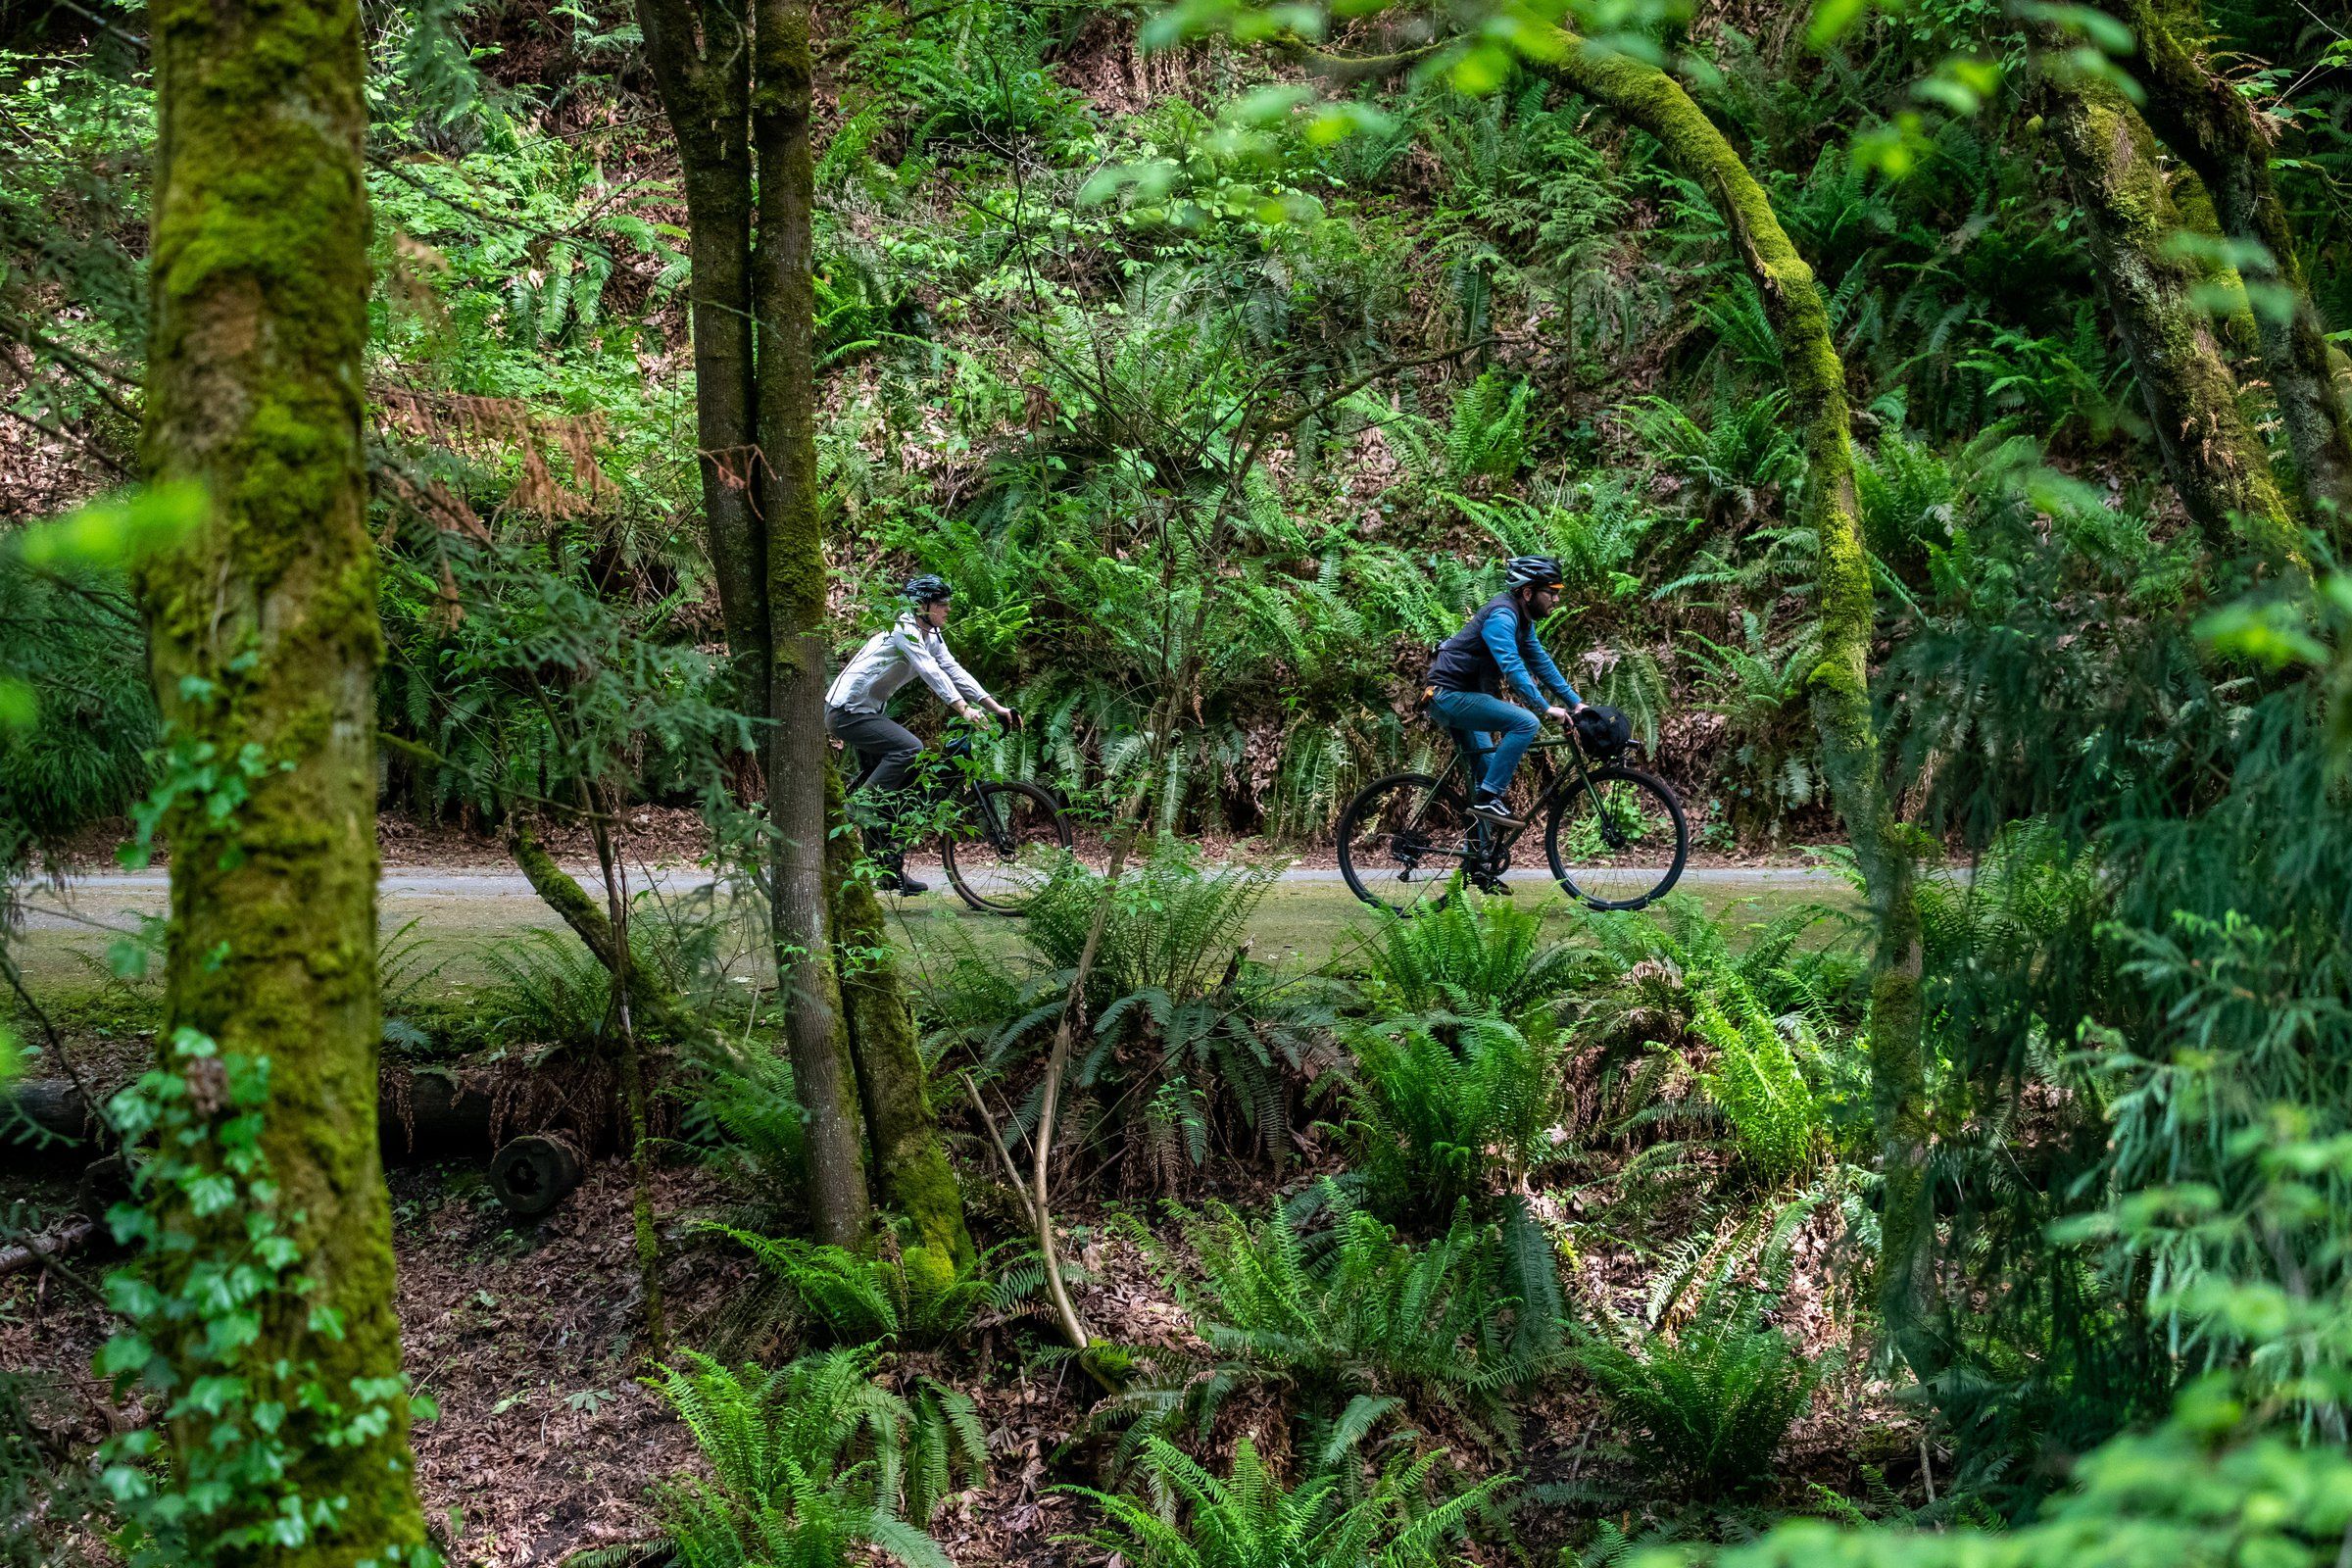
<point x="1494" y="646"/>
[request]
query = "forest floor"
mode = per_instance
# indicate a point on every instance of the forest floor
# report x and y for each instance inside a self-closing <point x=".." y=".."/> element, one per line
<point x="528" y="1338"/>
<point x="530" y="1335"/>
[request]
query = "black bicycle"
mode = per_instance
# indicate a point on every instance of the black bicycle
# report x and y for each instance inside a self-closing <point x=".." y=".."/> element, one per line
<point x="1615" y="835"/>
<point x="998" y="838"/>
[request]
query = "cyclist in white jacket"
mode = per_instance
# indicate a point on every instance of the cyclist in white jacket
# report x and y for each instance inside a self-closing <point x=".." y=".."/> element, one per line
<point x="855" y="701"/>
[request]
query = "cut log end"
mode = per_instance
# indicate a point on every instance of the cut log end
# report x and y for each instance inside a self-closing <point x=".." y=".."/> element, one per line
<point x="532" y="1174"/>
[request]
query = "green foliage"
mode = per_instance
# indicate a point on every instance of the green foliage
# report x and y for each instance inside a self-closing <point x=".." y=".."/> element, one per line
<point x="744" y="1111"/>
<point x="812" y="1464"/>
<point x="1467" y="956"/>
<point x="1170" y="978"/>
<point x="1733" y="468"/>
<point x="1755" y="1080"/>
<point x="862" y="1297"/>
<point x="71" y="635"/>
<point x="214" y="1261"/>
<point x="1449" y="1109"/>
<point x="1352" y="1314"/>
<point x="1712" y="1402"/>
<point x="1247" y="1517"/>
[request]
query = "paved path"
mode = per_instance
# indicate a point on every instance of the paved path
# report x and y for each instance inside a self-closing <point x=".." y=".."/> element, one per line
<point x="109" y="895"/>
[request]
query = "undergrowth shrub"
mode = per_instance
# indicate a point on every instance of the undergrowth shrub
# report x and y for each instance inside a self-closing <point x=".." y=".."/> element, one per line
<point x="1355" y="1311"/>
<point x="1448" y="1109"/>
<point x="812" y="1464"/>
<point x="1756" y="1082"/>
<point x="1186" y="1033"/>
<point x="744" y="1114"/>
<point x="1712" y="1400"/>
<point x="1466" y="956"/>
<point x="860" y="1298"/>
<point x="1248" y="1519"/>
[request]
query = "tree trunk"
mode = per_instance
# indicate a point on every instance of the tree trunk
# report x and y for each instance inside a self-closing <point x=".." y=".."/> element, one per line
<point x="264" y="645"/>
<point x="705" y="88"/>
<point x="1649" y="98"/>
<point x="909" y="1161"/>
<point x="735" y="78"/>
<point x="2213" y="458"/>
<point x="2209" y="126"/>
<point x="784" y="488"/>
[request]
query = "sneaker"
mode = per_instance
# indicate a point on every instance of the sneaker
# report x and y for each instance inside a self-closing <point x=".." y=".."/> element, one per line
<point x="900" y="882"/>
<point x="1490" y="808"/>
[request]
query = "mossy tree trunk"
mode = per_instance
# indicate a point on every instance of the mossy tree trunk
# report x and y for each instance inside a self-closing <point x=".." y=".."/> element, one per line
<point x="1649" y="98"/>
<point x="893" y="1082"/>
<point x="2210" y="126"/>
<point x="735" y="78"/>
<point x="264" y="645"/>
<point x="784" y="492"/>
<point x="2214" y="458"/>
<point x="651" y="998"/>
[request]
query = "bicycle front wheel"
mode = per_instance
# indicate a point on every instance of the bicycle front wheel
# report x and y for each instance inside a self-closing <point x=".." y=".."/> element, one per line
<point x="1006" y="849"/>
<point x="1617" y="840"/>
<point x="1401" y="840"/>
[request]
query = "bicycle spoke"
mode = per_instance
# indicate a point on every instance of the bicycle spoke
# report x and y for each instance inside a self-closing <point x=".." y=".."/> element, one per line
<point x="1007" y="844"/>
<point x="1402" y="842"/>
<point x="1618" y="840"/>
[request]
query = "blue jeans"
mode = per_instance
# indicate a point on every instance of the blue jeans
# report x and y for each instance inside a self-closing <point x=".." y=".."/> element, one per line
<point x="1512" y="727"/>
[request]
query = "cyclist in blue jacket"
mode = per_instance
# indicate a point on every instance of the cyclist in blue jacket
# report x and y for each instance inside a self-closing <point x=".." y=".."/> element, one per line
<point x="1496" y="648"/>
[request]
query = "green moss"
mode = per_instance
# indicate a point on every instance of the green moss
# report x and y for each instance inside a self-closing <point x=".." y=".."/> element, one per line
<point x="910" y="1161"/>
<point x="2215" y="460"/>
<point x="1839" y="681"/>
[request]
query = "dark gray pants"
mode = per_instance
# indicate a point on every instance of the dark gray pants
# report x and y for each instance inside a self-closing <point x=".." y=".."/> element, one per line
<point x="886" y="748"/>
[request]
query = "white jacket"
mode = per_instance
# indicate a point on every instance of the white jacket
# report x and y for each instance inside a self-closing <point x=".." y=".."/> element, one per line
<point x="911" y="647"/>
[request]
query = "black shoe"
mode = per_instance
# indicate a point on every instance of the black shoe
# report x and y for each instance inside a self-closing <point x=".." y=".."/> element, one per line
<point x="900" y="882"/>
<point x="1490" y="808"/>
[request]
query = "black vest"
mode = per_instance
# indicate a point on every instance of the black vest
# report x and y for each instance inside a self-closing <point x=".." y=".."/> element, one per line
<point x="1464" y="662"/>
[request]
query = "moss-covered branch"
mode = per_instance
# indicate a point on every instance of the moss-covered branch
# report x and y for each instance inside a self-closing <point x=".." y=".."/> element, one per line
<point x="2215" y="461"/>
<point x="2208" y="125"/>
<point x="1647" y="97"/>
<point x="654" y="1004"/>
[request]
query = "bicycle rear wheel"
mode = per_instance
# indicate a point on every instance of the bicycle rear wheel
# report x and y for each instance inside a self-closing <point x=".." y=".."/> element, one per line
<point x="1401" y="840"/>
<point x="1619" y="844"/>
<point x="1001" y="853"/>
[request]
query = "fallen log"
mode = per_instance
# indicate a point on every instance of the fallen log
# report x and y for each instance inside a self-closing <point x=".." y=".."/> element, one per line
<point x="428" y="1114"/>
<point x="431" y="1113"/>
<point x="41" y="1113"/>
<point x="40" y="1248"/>
<point x="534" y="1173"/>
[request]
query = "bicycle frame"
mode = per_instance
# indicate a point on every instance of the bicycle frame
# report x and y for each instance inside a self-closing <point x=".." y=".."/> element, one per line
<point x="956" y="751"/>
<point x="1488" y="842"/>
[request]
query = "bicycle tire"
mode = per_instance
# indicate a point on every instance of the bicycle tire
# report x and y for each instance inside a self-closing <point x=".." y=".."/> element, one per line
<point x="1574" y="803"/>
<point x="1383" y="885"/>
<point x="989" y="901"/>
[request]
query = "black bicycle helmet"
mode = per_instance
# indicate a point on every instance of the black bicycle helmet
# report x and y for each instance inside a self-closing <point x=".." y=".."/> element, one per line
<point x="1537" y="572"/>
<point x="928" y="589"/>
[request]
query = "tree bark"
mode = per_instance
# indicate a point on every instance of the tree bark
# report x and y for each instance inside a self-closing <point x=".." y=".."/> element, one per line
<point x="701" y="62"/>
<point x="1649" y="98"/>
<point x="2214" y="458"/>
<point x="911" y="1163"/>
<point x="735" y="78"/>
<point x="784" y="491"/>
<point x="2209" y="128"/>
<point x="264" y="645"/>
